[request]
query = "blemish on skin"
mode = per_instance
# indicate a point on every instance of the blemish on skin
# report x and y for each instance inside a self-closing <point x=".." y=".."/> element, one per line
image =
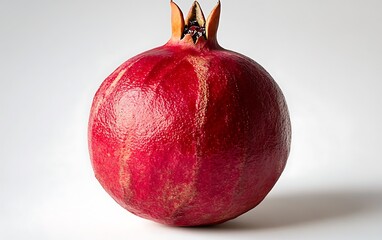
<point x="177" y="195"/>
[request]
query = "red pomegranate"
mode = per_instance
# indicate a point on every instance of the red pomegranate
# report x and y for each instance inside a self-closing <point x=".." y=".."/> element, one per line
<point x="189" y="133"/>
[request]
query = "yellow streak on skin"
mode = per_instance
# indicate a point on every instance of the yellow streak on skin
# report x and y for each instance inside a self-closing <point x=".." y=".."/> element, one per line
<point x="124" y="176"/>
<point x="201" y="66"/>
<point x="114" y="83"/>
<point x="183" y="194"/>
<point x="178" y="195"/>
<point x="124" y="154"/>
<point x="108" y="91"/>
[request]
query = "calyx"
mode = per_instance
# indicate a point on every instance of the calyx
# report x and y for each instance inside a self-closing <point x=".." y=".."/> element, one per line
<point x="194" y="27"/>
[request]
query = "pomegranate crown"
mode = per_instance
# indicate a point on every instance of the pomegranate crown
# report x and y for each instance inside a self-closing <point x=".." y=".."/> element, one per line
<point x="194" y="28"/>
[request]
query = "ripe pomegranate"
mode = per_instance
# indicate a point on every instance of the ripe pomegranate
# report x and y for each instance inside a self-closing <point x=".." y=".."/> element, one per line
<point x="189" y="133"/>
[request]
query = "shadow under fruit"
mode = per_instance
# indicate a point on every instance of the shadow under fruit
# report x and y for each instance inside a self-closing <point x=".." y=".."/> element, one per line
<point x="189" y="133"/>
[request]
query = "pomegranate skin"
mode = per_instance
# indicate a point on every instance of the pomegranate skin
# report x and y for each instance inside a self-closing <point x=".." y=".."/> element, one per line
<point x="189" y="135"/>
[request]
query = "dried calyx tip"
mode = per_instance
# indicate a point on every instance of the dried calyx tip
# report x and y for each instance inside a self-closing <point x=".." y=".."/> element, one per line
<point x="195" y="23"/>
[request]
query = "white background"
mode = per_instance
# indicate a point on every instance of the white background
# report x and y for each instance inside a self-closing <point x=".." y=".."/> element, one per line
<point x="326" y="56"/>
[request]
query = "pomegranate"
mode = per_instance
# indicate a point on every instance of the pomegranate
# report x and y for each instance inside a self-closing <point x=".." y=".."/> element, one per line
<point x="189" y="133"/>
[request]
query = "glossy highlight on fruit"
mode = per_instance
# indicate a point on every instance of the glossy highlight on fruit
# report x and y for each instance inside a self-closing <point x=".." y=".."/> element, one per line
<point x="189" y="133"/>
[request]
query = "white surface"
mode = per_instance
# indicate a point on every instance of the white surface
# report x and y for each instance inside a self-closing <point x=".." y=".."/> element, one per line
<point x="325" y="55"/>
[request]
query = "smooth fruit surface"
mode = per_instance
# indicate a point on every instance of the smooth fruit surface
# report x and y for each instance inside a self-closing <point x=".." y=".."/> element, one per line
<point x="189" y="133"/>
